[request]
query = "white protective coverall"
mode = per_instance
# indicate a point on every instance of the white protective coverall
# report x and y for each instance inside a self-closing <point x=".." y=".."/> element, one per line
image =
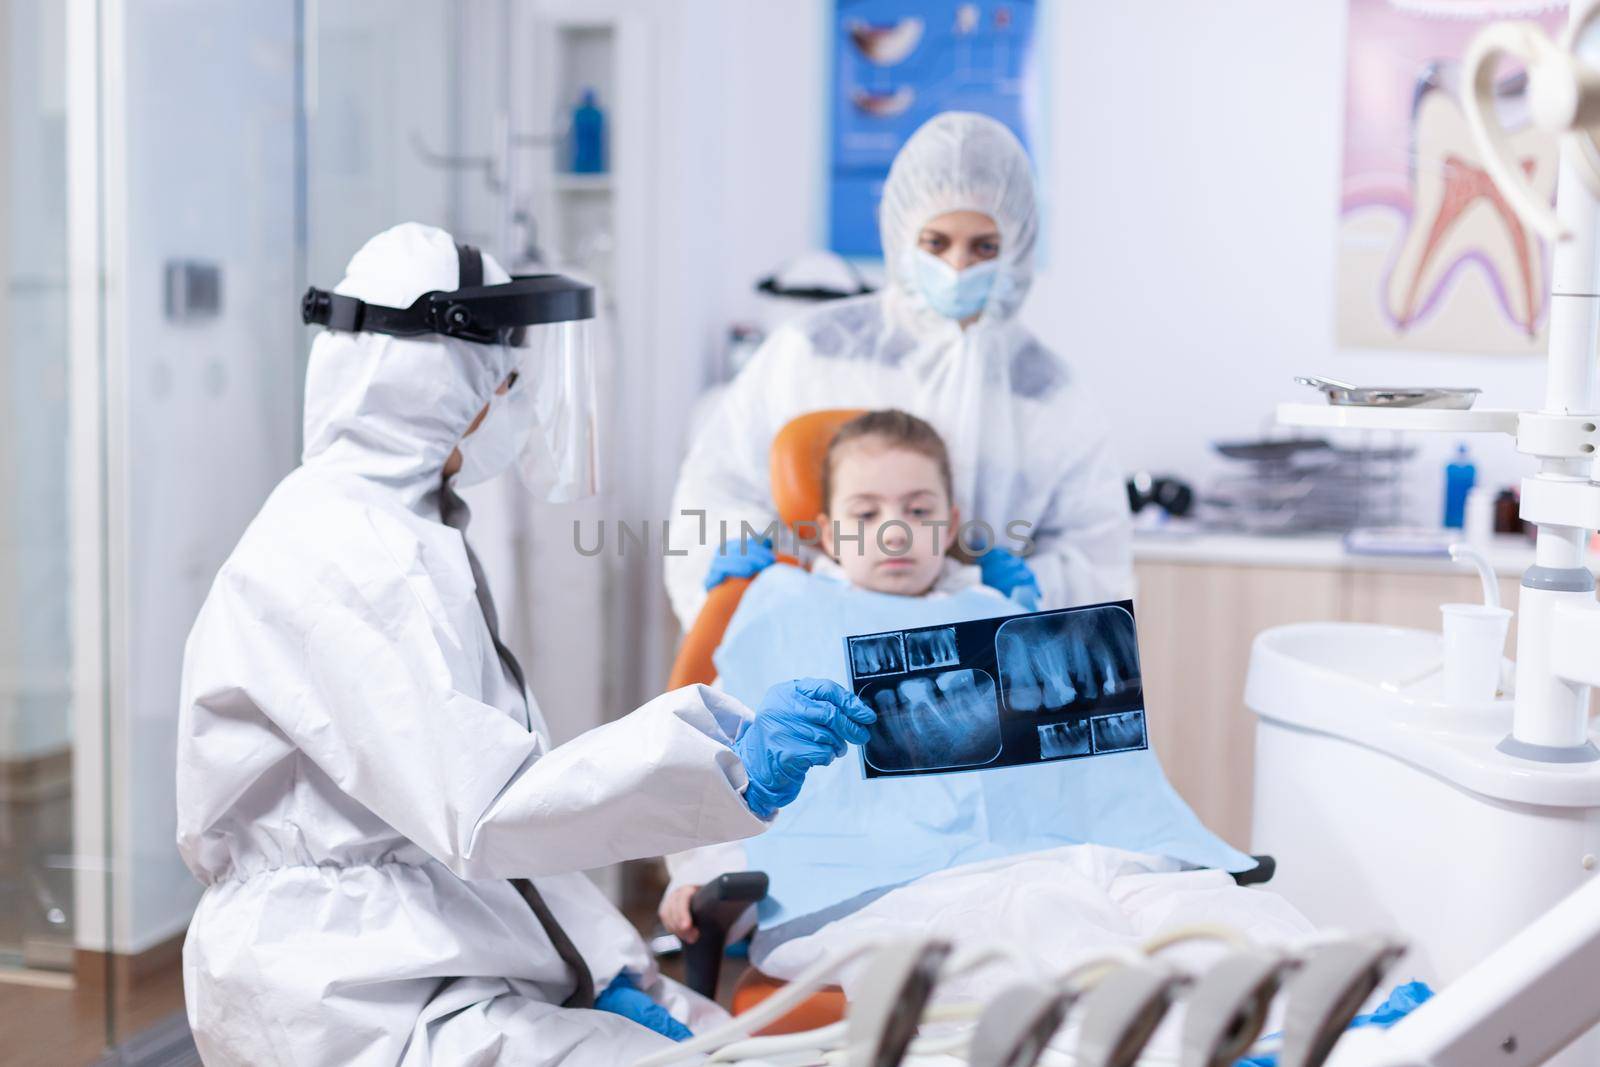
<point x="359" y="773"/>
<point x="1027" y="443"/>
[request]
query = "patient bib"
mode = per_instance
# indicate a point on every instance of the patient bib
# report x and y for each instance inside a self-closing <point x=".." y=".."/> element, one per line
<point x="848" y="839"/>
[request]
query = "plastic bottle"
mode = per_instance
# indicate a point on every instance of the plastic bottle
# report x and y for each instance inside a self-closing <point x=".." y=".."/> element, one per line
<point x="1459" y="478"/>
<point x="588" y="136"/>
<point x="1507" y="512"/>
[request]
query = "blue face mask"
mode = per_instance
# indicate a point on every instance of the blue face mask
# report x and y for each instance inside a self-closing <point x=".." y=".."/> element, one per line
<point x="957" y="294"/>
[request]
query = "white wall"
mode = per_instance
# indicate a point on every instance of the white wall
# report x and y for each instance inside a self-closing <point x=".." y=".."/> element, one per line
<point x="1193" y="226"/>
<point x="1194" y="154"/>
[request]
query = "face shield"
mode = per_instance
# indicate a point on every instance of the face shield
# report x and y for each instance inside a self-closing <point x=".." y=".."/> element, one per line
<point x="544" y="322"/>
<point x="555" y="385"/>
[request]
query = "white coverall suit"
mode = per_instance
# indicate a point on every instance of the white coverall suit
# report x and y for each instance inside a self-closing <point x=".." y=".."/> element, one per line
<point x="360" y="774"/>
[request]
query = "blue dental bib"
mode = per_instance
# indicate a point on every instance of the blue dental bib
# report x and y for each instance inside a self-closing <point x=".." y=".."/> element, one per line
<point x="847" y="839"/>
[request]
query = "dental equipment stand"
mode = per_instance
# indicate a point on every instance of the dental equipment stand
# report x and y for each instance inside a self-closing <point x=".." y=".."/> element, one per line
<point x="1540" y="990"/>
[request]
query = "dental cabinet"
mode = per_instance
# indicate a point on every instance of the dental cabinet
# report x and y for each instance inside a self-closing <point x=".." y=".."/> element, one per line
<point x="1202" y="600"/>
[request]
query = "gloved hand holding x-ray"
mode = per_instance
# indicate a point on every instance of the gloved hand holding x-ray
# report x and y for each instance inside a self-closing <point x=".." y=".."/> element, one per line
<point x="799" y="725"/>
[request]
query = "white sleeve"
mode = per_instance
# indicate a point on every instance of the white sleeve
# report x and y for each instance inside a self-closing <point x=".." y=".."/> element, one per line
<point x="1083" y="547"/>
<point x="724" y="480"/>
<point x="357" y="681"/>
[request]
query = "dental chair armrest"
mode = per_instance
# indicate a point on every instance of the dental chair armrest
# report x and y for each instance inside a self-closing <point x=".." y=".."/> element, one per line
<point x="1262" y="872"/>
<point x="715" y="908"/>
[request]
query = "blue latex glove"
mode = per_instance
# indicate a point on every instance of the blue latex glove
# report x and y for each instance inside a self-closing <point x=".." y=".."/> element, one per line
<point x="739" y="559"/>
<point x="1009" y="573"/>
<point x="800" y="725"/>
<point x="622" y="997"/>
<point x="1402" y="1001"/>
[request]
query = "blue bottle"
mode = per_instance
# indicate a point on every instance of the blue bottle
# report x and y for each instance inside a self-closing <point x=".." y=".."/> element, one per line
<point x="588" y="136"/>
<point x="1459" y="478"/>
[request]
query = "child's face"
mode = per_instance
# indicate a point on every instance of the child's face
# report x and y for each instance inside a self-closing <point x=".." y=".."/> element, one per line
<point x="895" y="500"/>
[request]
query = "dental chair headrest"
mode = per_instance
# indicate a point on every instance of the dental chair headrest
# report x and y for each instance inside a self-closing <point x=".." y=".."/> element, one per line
<point x="798" y="452"/>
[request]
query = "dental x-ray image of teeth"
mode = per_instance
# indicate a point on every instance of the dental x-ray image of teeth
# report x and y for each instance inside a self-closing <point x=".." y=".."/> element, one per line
<point x="934" y="722"/>
<point x="1001" y="692"/>
<point x="1064" y="739"/>
<point x="1122" y="732"/>
<point x="878" y="654"/>
<point x="1067" y="661"/>
<point x="931" y="648"/>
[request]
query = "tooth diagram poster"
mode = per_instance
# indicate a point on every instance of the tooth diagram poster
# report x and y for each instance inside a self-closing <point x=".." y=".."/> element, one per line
<point x="1429" y="256"/>
<point x="1001" y="692"/>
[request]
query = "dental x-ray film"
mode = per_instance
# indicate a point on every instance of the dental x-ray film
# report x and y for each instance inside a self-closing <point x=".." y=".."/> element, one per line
<point x="1001" y="692"/>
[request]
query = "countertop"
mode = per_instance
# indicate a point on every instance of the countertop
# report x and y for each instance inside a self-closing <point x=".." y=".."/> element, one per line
<point x="1509" y="554"/>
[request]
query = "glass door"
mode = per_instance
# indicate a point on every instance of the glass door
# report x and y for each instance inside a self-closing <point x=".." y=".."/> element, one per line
<point x="50" y="1013"/>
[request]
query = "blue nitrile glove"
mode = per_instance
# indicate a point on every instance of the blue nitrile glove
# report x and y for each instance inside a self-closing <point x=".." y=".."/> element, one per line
<point x="799" y="725"/>
<point x="739" y="559"/>
<point x="1009" y="573"/>
<point x="622" y="997"/>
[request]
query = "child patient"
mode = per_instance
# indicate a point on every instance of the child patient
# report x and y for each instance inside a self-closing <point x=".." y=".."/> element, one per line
<point x="855" y="857"/>
<point x="888" y="522"/>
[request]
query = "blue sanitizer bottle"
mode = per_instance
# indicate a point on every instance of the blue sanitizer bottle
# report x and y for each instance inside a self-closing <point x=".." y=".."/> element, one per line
<point x="1459" y="478"/>
<point x="588" y="136"/>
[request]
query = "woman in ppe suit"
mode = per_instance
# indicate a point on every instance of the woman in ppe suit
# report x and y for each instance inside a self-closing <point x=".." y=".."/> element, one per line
<point x="941" y="340"/>
<point x="389" y="844"/>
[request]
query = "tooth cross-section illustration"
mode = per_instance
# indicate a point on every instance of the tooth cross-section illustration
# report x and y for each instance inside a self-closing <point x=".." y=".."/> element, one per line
<point x="1458" y="217"/>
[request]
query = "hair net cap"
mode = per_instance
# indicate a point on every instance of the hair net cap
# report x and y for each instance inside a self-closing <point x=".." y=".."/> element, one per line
<point x="962" y="161"/>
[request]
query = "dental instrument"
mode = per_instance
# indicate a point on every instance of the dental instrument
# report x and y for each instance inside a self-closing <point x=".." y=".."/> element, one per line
<point x="1120" y="996"/>
<point x="1018" y="1024"/>
<point x="1326" y="991"/>
<point x="1228" y="1006"/>
<point x="1122" y="1011"/>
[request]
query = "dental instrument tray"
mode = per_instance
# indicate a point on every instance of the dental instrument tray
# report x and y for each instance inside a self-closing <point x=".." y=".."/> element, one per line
<point x="1343" y="394"/>
<point x="1020" y="689"/>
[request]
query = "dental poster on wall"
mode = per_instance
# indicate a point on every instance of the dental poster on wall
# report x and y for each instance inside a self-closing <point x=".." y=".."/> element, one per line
<point x="1003" y="692"/>
<point x="1429" y="256"/>
<point x="897" y="63"/>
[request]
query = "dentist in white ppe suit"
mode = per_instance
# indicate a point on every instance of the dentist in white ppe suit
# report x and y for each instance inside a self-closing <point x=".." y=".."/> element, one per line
<point x="390" y="846"/>
<point x="1028" y="443"/>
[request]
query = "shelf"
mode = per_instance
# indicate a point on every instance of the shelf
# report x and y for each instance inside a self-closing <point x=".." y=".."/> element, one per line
<point x="1330" y="416"/>
<point x="566" y="182"/>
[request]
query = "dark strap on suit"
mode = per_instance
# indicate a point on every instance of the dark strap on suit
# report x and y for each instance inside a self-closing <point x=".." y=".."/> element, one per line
<point x="453" y="510"/>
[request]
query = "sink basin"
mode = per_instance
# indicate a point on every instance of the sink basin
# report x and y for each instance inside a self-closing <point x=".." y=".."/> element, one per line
<point x="1379" y="686"/>
<point x="1389" y="809"/>
<point x="1372" y="654"/>
<point x="1389" y="672"/>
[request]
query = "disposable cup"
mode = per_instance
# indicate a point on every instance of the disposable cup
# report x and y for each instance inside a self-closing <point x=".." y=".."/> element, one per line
<point x="1474" y="639"/>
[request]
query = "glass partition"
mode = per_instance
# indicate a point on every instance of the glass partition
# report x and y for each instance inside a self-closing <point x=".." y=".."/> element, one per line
<point x="42" y="913"/>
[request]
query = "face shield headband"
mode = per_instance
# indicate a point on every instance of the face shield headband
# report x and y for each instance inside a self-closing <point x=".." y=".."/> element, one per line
<point x="482" y="314"/>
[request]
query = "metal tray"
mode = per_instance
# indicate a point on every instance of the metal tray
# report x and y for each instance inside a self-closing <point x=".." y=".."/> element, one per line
<point x="1343" y="394"/>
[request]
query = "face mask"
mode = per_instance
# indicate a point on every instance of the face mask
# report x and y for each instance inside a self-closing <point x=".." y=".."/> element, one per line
<point x="956" y="294"/>
<point x="499" y="439"/>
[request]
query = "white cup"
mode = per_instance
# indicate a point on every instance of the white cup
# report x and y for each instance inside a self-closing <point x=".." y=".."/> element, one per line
<point x="1474" y="638"/>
